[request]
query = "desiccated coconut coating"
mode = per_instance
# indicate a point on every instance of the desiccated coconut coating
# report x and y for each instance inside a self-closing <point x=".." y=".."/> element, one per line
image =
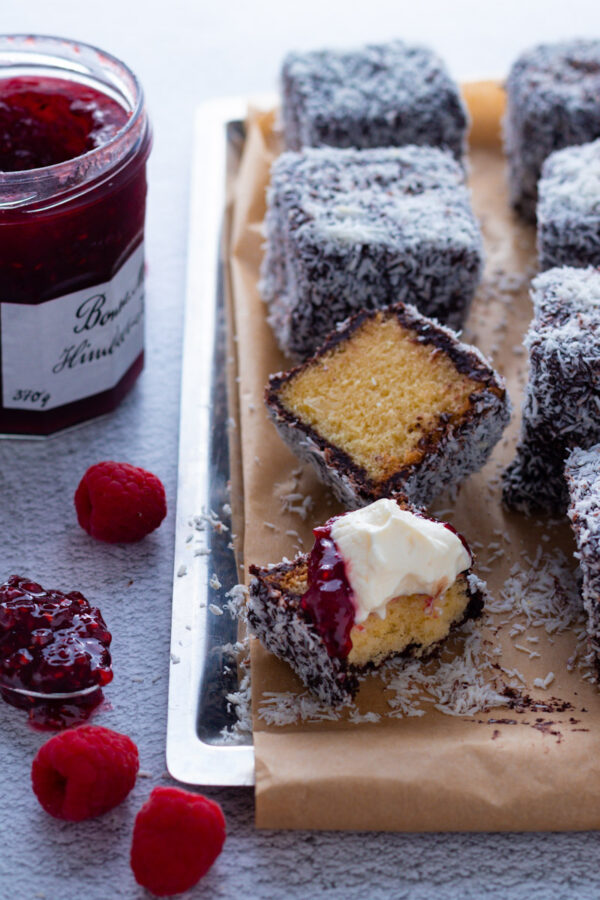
<point x="562" y="401"/>
<point x="383" y="95"/>
<point x="553" y="101"/>
<point x="568" y="211"/>
<point x="582" y="471"/>
<point x="354" y="229"/>
<point x="430" y="417"/>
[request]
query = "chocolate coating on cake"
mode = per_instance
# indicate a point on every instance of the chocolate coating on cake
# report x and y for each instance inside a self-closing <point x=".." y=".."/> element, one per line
<point x="446" y="454"/>
<point x="582" y="472"/>
<point x="384" y="95"/>
<point x="568" y="209"/>
<point x="562" y="401"/>
<point x="553" y="101"/>
<point x="349" y="230"/>
<point x="276" y="618"/>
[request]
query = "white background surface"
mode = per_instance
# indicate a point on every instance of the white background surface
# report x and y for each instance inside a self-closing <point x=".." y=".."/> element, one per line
<point x="185" y="52"/>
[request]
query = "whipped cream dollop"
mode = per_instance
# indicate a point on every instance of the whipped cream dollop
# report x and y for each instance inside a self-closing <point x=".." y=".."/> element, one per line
<point x="389" y="552"/>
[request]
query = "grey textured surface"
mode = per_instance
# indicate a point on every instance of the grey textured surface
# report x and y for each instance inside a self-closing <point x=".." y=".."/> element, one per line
<point x="208" y="55"/>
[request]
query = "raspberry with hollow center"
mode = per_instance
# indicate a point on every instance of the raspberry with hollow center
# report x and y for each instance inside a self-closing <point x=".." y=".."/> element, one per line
<point x="84" y="772"/>
<point x="119" y="503"/>
<point x="176" y="838"/>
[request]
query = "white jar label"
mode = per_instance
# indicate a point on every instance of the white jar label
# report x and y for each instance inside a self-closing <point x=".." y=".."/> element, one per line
<point x="73" y="346"/>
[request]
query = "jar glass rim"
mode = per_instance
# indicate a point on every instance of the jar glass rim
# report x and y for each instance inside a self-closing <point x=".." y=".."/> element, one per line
<point x="60" y="55"/>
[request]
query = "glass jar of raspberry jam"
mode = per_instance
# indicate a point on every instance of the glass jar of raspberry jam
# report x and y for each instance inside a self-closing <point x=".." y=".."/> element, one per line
<point x="74" y="140"/>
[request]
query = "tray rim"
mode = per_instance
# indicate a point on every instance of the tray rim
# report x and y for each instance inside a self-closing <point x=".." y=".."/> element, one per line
<point x="190" y="759"/>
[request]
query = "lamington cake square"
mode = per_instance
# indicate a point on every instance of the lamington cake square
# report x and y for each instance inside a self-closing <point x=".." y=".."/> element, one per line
<point x="393" y="583"/>
<point x="562" y="401"/>
<point x="353" y="229"/>
<point x="568" y="211"/>
<point x="391" y="404"/>
<point x="384" y="95"/>
<point x="582" y="472"/>
<point x="553" y="101"/>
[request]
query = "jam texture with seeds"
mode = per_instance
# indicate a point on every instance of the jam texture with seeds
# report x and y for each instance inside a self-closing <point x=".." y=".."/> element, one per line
<point x="46" y="121"/>
<point x="50" y="643"/>
<point x="328" y="600"/>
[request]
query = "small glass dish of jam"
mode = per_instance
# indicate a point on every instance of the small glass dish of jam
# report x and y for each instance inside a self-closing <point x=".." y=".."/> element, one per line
<point x="74" y="140"/>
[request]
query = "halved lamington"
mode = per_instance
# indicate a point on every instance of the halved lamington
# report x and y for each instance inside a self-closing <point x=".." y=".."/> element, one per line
<point x="568" y="211"/>
<point x="582" y="471"/>
<point x="379" y="582"/>
<point x="349" y="230"/>
<point x="553" y="101"/>
<point x="562" y="402"/>
<point x="384" y="95"/>
<point x="391" y="404"/>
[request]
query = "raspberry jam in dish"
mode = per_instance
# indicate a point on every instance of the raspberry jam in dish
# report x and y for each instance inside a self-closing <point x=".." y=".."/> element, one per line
<point x="328" y="600"/>
<point x="54" y="656"/>
<point x="74" y="140"/>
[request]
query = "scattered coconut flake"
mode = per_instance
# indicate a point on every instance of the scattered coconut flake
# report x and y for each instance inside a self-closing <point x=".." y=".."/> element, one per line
<point x="236" y="600"/>
<point x="215" y="610"/>
<point x="287" y="708"/>
<point x="357" y="718"/>
<point x="214" y="582"/>
<point x="544" y="683"/>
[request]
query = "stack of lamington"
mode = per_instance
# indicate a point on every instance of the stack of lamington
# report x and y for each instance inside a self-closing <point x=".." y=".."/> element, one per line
<point x="554" y="102"/>
<point x="372" y="251"/>
<point x="552" y="132"/>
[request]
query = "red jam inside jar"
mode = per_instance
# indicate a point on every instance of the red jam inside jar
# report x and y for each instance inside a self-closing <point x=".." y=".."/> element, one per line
<point x="74" y="140"/>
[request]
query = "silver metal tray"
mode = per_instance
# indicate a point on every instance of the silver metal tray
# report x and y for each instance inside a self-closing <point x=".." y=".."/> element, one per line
<point x="201" y="675"/>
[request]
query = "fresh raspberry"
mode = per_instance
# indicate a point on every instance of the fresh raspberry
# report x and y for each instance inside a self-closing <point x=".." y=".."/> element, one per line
<point x="84" y="772"/>
<point x="117" y="502"/>
<point x="176" y="838"/>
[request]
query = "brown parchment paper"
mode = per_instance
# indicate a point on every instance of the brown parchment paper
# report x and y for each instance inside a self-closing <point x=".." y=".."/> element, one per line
<point x="531" y="770"/>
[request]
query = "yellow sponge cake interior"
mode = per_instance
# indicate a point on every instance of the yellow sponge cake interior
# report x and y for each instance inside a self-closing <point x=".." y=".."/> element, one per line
<point x="378" y="394"/>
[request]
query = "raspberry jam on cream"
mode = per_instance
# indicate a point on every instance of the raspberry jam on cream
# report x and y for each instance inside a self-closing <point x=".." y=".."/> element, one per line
<point x="74" y="140"/>
<point x="364" y="559"/>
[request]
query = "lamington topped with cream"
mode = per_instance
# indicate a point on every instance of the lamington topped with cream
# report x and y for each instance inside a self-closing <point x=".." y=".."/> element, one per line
<point x="389" y="551"/>
<point x="380" y="581"/>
